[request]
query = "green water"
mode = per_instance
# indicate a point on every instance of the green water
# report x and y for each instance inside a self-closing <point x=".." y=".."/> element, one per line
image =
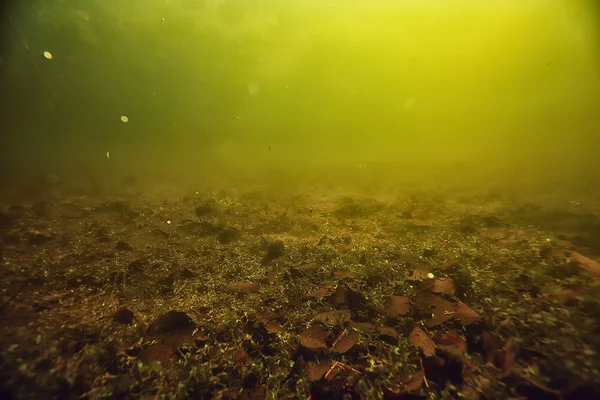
<point x="220" y="89"/>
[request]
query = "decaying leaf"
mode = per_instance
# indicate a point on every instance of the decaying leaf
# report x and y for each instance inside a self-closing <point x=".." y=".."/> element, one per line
<point x="269" y="321"/>
<point x="419" y="274"/>
<point x="242" y="287"/>
<point x="344" y="294"/>
<point x="454" y="339"/>
<point x="421" y="340"/>
<point x="412" y="384"/>
<point x="449" y="265"/>
<point x="465" y="314"/>
<point x="565" y="296"/>
<point x="415" y="382"/>
<point x="342" y="275"/>
<point x="316" y="370"/>
<point x="346" y="342"/>
<point x="335" y="317"/>
<point x="258" y="393"/>
<point x="389" y="334"/>
<point x="324" y="290"/>
<point x="592" y="267"/>
<point x="438" y="309"/>
<point x="303" y="269"/>
<point x="444" y="286"/>
<point x="490" y="344"/>
<point x="314" y="337"/>
<point x="174" y="328"/>
<point x="397" y="306"/>
<point x="508" y="357"/>
<point x="238" y="356"/>
<point x="364" y="327"/>
<point x="158" y="352"/>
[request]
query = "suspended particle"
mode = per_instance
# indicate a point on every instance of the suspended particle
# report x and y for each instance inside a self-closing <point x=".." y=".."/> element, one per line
<point x="47" y="55"/>
<point x="253" y="88"/>
<point x="108" y="154"/>
<point x="124" y="118"/>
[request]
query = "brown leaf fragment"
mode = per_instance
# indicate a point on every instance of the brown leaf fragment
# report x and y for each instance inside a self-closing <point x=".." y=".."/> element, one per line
<point x="465" y="314"/>
<point x="269" y="321"/>
<point x="454" y="339"/>
<point x="449" y="264"/>
<point x="549" y="392"/>
<point x="335" y="317"/>
<point x="421" y="340"/>
<point x="592" y="267"/>
<point x="302" y="270"/>
<point x="444" y="286"/>
<point x="342" y="275"/>
<point x="344" y="294"/>
<point x="497" y="233"/>
<point x="438" y="309"/>
<point x="158" y="352"/>
<point x="508" y="357"/>
<point x="397" y="306"/>
<point x="419" y="274"/>
<point x="508" y="242"/>
<point x="36" y="238"/>
<point x="324" y="290"/>
<point x="415" y="382"/>
<point x="273" y="327"/>
<point x="412" y="384"/>
<point x="314" y="337"/>
<point x="364" y="327"/>
<point x="308" y="267"/>
<point x="242" y="287"/>
<point x="565" y="296"/>
<point x="346" y="342"/>
<point x="490" y="344"/>
<point x="174" y="328"/>
<point x="316" y="370"/>
<point x="239" y="357"/>
<point x="388" y="334"/>
<point x="258" y="393"/>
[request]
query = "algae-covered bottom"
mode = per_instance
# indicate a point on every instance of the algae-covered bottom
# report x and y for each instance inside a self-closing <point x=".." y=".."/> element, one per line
<point x="268" y="294"/>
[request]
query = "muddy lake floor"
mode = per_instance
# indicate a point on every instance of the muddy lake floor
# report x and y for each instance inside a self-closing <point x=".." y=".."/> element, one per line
<point x="280" y="294"/>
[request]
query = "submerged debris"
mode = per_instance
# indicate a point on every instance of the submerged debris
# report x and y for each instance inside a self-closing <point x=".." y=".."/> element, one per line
<point x="359" y="298"/>
<point x="123" y="316"/>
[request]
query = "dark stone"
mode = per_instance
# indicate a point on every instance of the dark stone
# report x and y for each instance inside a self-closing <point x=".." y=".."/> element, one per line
<point x="275" y="249"/>
<point x="123" y="316"/>
<point x="121" y="245"/>
<point x="428" y="253"/>
<point x="229" y="235"/>
<point x="201" y="211"/>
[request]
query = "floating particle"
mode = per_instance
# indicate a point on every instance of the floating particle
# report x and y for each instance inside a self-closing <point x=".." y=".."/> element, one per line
<point x="124" y="118"/>
<point x="253" y="88"/>
<point x="108" y="154"/>
<point x="47" y="55"/>
<point x="168" y="222"/>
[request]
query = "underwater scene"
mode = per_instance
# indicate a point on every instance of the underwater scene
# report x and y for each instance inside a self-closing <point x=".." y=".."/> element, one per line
<point x="312" y="199"/>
